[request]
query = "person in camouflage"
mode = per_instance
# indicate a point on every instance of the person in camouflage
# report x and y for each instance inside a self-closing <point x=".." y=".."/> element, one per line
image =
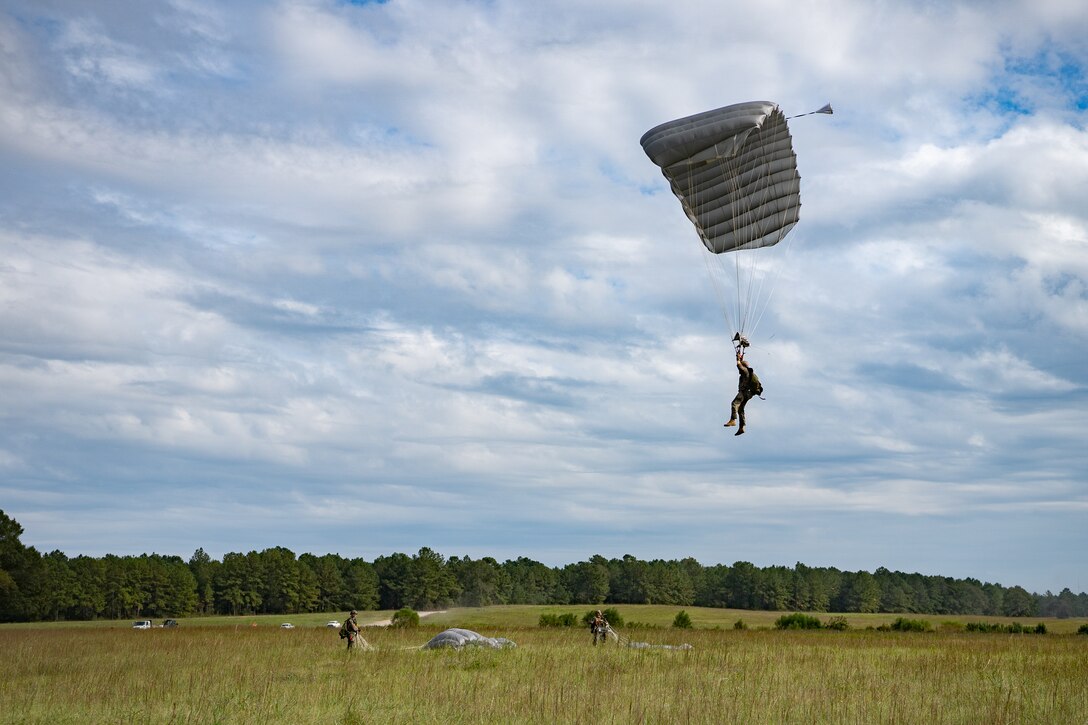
<point x="599" y="627"/>
<point x="351" y="629"/>
<point x="748" y="387"/>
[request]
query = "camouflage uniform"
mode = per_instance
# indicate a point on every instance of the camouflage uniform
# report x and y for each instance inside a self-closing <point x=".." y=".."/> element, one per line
<point x="352" y="628"/>
<point x="599" y="628"/>
<point x="748" y="387"/>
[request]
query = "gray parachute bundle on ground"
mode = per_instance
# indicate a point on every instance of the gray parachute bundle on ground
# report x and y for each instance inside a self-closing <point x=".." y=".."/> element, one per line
<point x="734" y="171"/>
<point x="458" y="638"/>
<point x="647" y="645"/>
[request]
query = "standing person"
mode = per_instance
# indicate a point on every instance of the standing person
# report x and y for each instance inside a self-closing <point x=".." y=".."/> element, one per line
<point x="748" y="387"/>
<point x="599" y="627"/>
<point x="351" y="627"/>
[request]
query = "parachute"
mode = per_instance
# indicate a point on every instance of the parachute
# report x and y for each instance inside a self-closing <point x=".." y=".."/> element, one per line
<point x="457" y="638"/>
<point x="734" y="171"/>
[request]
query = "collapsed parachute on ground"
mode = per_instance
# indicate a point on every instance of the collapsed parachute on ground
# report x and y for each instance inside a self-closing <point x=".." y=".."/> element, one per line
<point x="734" y="171"/>
<point x="647" y="645"/>
<point x="458" y="638"/>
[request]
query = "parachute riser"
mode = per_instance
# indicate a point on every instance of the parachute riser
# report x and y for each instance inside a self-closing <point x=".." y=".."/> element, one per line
<point x="740" y="344"/>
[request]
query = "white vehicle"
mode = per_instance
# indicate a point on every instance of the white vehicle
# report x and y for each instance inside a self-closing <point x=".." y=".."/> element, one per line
<point x="142" y="624"/>
<point x="287" y="625"/>
<point x="332" y="624"/>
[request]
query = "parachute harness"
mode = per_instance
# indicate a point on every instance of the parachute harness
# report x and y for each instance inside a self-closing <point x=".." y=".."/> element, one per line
<point x="740" y="343"/>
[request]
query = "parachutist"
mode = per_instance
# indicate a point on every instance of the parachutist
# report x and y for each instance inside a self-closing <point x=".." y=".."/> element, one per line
<point x="599" y="628"/>
<point x="734" y="171"/>
<point x="747" y="388"/>
<point x="350" y="631"/>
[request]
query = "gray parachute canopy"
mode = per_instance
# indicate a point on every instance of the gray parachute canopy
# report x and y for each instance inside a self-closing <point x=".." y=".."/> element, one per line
<point x="734" y="171"/>
<point x="457" y="638"/>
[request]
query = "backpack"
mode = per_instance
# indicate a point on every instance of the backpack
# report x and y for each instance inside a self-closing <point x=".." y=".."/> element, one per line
<point x="344" y="631"/>
<point x="754" y="385"/>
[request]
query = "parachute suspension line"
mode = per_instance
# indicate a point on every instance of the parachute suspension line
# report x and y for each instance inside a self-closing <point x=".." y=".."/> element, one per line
<point x="732" y="301"/>
<point x="756" y="274"/>
<point x="711" y="261"/>
<point x="761" y="281"/>
<point x="734" y="310"/>
<point x="694" y="214"/>
<point x="744" y="283"/>
<point x="767" y="280"/>
<point x="774" y="282"/>
<point x="752" y="268"/>
<point x="789" y="242"/>
<point x="746" y="267"/>
<point x="719" y="292"/>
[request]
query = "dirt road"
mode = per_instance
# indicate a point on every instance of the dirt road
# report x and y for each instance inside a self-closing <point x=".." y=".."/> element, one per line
<point x="387" y="622"/>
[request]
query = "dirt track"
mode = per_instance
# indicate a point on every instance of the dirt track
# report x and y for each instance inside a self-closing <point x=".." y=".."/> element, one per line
<point x="387" y="622"/>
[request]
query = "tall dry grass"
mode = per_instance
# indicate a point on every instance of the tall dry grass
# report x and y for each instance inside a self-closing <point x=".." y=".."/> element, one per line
<point x="264" y="674"/>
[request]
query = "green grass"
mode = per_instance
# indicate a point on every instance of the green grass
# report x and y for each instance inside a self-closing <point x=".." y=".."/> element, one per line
<point x="216" y="674"/>
<point x="709" y="618"/>
<point x="528" y="615"/>
<point x="243" y="674"/>
<point x="309" y="620"/>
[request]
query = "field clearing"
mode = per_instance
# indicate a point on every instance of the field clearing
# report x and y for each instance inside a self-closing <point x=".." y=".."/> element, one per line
<point x="246" y="674"/>
<point x="528" y="615"/>
<point x="311" y="619"/>
<point x="710" y="618"/>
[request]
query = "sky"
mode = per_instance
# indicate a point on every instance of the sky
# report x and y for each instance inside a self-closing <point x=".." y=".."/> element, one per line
<point x="364" y="277"/>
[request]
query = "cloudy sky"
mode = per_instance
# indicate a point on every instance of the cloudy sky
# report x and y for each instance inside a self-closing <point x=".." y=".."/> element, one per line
<point x="366" y="277"/>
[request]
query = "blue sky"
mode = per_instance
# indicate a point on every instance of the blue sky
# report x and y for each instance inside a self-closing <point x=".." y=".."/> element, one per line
<point x="369" y="277"/>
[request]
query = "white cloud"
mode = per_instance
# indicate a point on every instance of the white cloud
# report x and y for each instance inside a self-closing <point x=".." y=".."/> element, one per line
<point x="94" y="57"/>
<point x="1002" y="372"/>
<point x="413" y="251"/>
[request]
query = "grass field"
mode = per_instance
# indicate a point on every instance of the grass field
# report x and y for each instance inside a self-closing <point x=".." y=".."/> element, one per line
<point x="224" y="670"/>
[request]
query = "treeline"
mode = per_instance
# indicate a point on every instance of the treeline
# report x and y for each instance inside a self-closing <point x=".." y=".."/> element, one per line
<point x="35" y="587"/>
